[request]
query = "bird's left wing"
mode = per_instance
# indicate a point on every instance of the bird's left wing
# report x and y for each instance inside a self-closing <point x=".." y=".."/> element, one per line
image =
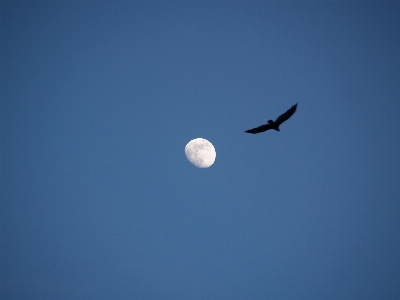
<point x="259" y="129"/>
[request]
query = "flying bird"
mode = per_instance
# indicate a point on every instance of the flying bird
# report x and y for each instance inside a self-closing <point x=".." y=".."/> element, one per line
<point x="274" y="125"/>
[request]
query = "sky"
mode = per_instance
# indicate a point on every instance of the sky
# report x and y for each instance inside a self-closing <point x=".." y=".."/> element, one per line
<point x="99" y="99"/>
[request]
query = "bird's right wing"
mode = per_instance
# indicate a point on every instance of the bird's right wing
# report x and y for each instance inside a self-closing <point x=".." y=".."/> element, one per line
<point x="259" y="129"/>
<point x="283" y="117"/>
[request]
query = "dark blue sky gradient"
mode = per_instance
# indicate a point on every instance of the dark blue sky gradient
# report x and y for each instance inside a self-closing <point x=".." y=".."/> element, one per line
<point x="99" y="99"/>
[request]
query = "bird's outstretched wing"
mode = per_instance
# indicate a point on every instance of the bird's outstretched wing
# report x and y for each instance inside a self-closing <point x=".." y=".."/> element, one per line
<point x="259" y="129"/>
<point x="285" y="116"/>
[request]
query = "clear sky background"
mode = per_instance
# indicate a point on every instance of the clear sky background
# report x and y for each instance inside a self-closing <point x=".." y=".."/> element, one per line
<point x="99" y="99"/>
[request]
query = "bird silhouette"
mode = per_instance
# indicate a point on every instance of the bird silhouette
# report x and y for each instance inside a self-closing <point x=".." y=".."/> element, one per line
<point x="274" y="125"/>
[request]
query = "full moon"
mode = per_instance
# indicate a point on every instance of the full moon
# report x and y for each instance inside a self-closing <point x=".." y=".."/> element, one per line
<point x="200" y="152"/>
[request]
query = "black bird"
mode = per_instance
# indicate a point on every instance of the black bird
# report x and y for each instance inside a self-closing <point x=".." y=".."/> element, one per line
<point x="274" y="125"/>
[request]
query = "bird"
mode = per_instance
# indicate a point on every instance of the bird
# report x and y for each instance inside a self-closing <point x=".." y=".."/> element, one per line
<point x="274" y="125"/>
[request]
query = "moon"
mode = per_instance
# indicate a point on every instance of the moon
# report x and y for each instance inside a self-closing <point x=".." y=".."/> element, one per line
<point x="200" y="152"/>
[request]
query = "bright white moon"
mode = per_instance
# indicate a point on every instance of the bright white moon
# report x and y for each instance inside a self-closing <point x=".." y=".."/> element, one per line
<point x="200" y="152"/>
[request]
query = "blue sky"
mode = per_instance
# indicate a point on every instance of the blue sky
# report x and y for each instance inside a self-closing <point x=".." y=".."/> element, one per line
<point x="99" y="99"/>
